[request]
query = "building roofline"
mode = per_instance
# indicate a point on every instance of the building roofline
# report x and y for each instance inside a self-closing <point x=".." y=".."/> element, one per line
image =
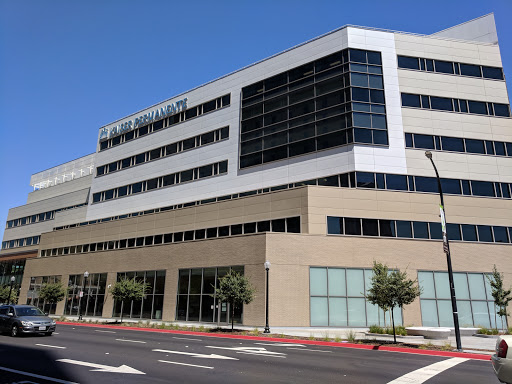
<point x="297" y="46"/>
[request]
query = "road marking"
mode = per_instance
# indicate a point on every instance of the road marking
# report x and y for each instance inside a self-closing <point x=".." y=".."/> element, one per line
<point x="260" y="354"/>
<point x="103" y="368"/>
<point x="423" y="374"/>
<point x="186" y="338"/>
<point x="131" y="341"/>
<point x="251" y="350"/>
<point x="97" y="330"/>
<point x="38" y="376"/>
<point x="312" y="350"/>
<point x="51" y="346"/>
<point x="188" y="365"/>
<point x="282" y="344"/>
<point x="211" y="356"/>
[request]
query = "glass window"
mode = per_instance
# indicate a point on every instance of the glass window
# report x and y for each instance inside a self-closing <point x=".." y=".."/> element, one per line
<point x="334" y="225"/>
<point x="492" y="73"/>
<point x="470" y="70"/>
<point x="435" y="231"/>
<point x="500" y="148"/>
<point x="426" y="281"/>
<point x="482" y="188"/>
<point x="469" y="232"/>
<point x="423" y="141"/>
<point x="387" y="228"/>
<point x="453" y="231"/>
<point x="477" y="107"/>
<point x="500" y="235"/>
<point x="403" y="229"/>
<point x="410" y="100"/>
<point x="443" y="66"/>
<point x="420" y="230"/>
<point x="441" y="103"/>
<point x="352" y="226"/>
<point x="408" y="62"/>
<point x="319" y="311"/>
<point x="485" y="233"/>
<point x="501" y="110"/>
<point x="451" y="186"/>
<point x="318" y="281"/>
<point x="365" y="180"/>
<point x="370" y="227"/>
<point x="426" y="184"/>
<point x="475" y="146"/>
<point x="452" y="144"/>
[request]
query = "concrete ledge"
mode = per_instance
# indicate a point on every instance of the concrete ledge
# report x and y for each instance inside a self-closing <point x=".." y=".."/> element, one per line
<point x="465" y="331"/>
<point x="429" y="332"/>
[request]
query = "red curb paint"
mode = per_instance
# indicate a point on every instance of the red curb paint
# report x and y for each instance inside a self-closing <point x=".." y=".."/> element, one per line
<point x="473" y="356"/>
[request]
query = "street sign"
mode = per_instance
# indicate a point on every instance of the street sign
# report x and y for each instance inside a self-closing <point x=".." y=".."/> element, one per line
<point x="81" y="294"/>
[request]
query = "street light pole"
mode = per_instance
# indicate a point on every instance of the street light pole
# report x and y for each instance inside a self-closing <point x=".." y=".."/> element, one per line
<point x="10" y="290"/>
<point x="267" y="329"/>
<point x="446" y="248"/>
<point x="82" y="293"/>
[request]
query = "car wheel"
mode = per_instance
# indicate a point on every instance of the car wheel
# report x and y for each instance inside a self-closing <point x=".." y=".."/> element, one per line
<point x="14" y="330"/>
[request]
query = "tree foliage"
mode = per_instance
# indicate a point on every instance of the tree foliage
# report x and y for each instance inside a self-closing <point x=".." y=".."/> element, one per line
<point x="500" y="295"/>
<point x="52" y="292"/>
<point x="391" y="289"/>
<point x="126" y="290"/>
<point x="4" y="294"/>
<point x="236" y="290"/>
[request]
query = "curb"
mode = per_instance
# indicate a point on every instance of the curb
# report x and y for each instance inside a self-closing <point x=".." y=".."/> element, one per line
<point x="473" y="356"/>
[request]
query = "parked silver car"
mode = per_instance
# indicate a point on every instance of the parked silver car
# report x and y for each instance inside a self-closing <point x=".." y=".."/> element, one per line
<point x="22" y="319"/>
<point x="502" y="360"/>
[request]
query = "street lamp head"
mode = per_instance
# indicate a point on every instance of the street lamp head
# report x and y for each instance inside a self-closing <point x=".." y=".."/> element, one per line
<point x="86" y="274"/>
<point x="12" y="279"/>
<point x="267" y="264"/>
<point x="428" y="154"/>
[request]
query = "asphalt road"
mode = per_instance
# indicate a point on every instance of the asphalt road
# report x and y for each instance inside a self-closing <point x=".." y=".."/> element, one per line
<point x="92" y="355"/>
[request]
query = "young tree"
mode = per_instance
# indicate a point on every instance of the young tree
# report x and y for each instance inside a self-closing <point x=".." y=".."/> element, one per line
<point x="500" y="295"/>
<point x="391" y="289"/>
<point x="52" y="293"/>
<point x="236" y="290"/>
<point x="4" y="294"/>
<point x="126" y="290"/>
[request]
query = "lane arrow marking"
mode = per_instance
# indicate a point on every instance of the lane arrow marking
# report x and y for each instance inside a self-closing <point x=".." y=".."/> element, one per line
<point x="211" y="356"/>
<point x="104" y="368"/>
<point x="253" y="350"/>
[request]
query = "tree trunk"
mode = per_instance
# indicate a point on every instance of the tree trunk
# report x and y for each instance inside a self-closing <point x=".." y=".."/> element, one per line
<point x="122" y="305"/>
<point x="502" y="327"/>
<point x="232" y="315"/>
<point x="393" y="321"/>
<point x="495" y="318"/>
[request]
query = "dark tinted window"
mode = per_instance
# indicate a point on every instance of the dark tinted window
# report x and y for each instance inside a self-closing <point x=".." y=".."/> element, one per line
<point x="444" y="66"/>
<point x="492" y="73"/>
<point x="470" y="70"/>
<point x="500" y="235"/>
<point x="452" y="144"/>
<point x="435" y="231"/>
<point x="403" y="229"/>
<point x="451" y="186"/>
<point x="441" y="103"/>
<point x="352" y="226"/>
<point x="278" y="225"/>
<point x="484" y="233"/>
<point x="469" y="232"/>
<point x="420" y="230"/>
<point x="477" y="107"/>
<point x="398" y="182"/>
<point x="423" y="141"/>
<point x="426" y="184"/>
<point x="500" y="148"/>
<point x="293" y="224"/>
<point x="501" y="110"/>
<point x="453" y="231"/>
<point x="387" y="228"/>
<point x="410" y="100"/>
<point x="408" y="62"/>
<point x="475" y="146"/>
<point x="370" y="227"/>
<point x="482" y="188"/>
<point x="136" y="188"/>
<point x="365" y="180"/>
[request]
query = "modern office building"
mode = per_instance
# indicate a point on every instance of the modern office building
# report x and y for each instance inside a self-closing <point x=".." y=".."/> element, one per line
<point x="312" y="159"/>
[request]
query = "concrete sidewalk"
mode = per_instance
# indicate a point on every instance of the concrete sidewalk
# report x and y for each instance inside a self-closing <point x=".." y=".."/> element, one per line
<point x="469" y="343"/>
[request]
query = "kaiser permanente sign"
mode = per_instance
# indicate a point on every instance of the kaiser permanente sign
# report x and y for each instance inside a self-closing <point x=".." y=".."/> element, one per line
<point x="154" y="115"/>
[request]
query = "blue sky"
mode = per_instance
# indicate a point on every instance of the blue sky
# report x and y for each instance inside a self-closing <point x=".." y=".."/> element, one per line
<point x="69" y="67"/>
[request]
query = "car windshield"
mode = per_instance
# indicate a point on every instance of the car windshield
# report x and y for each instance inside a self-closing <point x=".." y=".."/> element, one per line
<point x="29" y="312"/>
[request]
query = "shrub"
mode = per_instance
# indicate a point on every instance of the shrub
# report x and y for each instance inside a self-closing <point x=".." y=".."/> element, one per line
<point x="376" y="329"/>
<point x="351" y="336"/>
<point x="447" y="346"/>
<point x="255" y="332"/>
